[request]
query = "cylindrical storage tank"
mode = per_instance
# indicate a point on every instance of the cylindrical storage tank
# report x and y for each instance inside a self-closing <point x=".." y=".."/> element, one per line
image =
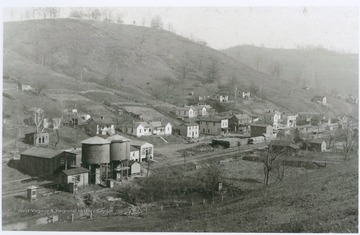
<point x="95" y="150"/>
<point x="119" y="148"/>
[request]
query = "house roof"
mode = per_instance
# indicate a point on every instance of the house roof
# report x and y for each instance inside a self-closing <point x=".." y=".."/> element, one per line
<point x="75" y="171"/>
<point x="104" y="120"/>
<point x="41" y="152"/>
<point x="144" y="124"/>
<point x="260" y="124"/>
<point x="315" y="141"/>
<point x="189" y="124"/>
<point x="285" y="143"/>
<point x="200" y="106"/>
<point x="138" y="143"/>
<point x="133" y="148"/>
<point x="320" y="98"/>
<point x="133" y="162"/>
<point x="117" y="138"/>
<point x="73" y="150"/>
<point x="242" y="116"/>
<point x="184" y="108"/>
<point x="95" y="140"/>
<point x="213" y="119"/>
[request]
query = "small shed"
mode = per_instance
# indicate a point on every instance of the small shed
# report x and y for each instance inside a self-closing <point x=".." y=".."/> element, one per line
<point x="31" y="193"/>
<point x="37" y="139"/>
<point x="75" y="178"/>
<point x="318" y="145"/>
<point x="135" y="167"/>
<point x="135" y="154"/>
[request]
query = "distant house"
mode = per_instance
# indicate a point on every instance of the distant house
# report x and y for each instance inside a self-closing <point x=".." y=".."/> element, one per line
<point x="319" y="99"/>
<point x="352" y="100"/>
<point x="273" y="118"/>
<point x="189" y="130"/>
<point x="135" y="167"/>
<point x="161" y="128"/>
<point x="186" y="112"/>
<point x="37" y="139"/>
<point x="139" y="129"/>
<point x="221" y="96"/>
<point x="26" y="88"/>
<point x="203" y="110"/>
<point x="145" y="149"/>
<point x="239" y="123"/>
<point x="135" y="153"/>
<point x="43" y="161"/>
<point x="105" y="125"/>
<point x="214" y="125"/>
<point x="257" y="129"/>
<point x="72" y="179"/>
<point x="316" y="145"/>
<point x="280" y="145"/>
<point x="288" y="119"/>
<point x="246" y="94"/>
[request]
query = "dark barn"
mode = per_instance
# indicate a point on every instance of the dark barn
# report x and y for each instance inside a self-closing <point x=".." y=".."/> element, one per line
<point x="44" y="161"/>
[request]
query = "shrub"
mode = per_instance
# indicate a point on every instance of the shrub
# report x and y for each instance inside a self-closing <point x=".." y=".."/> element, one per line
<point x="88" y="199"/>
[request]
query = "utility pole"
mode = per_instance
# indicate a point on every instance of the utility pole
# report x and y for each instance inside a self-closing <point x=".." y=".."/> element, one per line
<point x="148" y="165"/>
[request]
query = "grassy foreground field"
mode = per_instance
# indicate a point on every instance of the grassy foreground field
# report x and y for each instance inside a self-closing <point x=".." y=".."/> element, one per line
<point x="325" y="200"/>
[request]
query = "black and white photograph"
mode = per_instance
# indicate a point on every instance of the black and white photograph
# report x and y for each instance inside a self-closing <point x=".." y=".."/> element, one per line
<point x="196" y="117"/>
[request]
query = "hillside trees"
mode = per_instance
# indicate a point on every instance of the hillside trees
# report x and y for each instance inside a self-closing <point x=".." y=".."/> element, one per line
<point x="157" y="23"/>
<point x="210" y="176"/>
<point x="349" y="140"/>
<point x="274" y="163"/>
<point x="162" y="92"/>
<point x="213" y="70"/>
<point x="234" y="87"/>
<point x="40" y="87"/>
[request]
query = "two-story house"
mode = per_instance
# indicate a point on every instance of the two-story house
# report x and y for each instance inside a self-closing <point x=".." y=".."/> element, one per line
<point x="272" y="118"/>
<point x="214" y="125"/>
<point x="186" y="112"/>
<point x="139" y="129"/>
<point x="288" y="119"/>
<point x="239" y="123"/>
<point x="203" y="110"/>
<point x="189" y="130"/>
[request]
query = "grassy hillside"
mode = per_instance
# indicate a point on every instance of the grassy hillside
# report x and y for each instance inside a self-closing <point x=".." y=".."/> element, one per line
<point x="318" y="68"/>
<point x="325" y="200"/>
<point x="138" y="63"/>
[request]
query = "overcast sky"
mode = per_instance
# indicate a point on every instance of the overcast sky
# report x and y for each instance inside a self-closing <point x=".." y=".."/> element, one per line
<point x="334" y="28"/>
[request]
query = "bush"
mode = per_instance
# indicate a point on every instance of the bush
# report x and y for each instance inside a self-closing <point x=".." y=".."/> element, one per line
<point x="88" y="199"/>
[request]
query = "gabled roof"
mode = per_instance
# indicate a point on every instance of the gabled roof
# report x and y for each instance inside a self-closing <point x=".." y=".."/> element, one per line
<point x="117" y="138"/>
<point x="184" y="108"/>
<point x="315" y="141"/>
<point x="75" y="171"/>
<point x="201" y="106"/>
<point x="284" y="143"/>
<point x="95" y="140"/>
<point x="75" y="151"/>
<point x="133" y="162"/>
<point x="138" y="143"/>
<point x="104" y="120"/>
<point x="41" y="152"/>
<point x="242" y="116"/>
<point x="189" y="124"/>
<point x="133" y="148"/>
<point x="213" y="119"/>
<point x="260" y="125"/>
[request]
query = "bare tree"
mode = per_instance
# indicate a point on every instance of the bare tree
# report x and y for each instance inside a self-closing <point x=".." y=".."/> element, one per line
<point x="39" y="119"/>
<point x="184" y="70"/>
<point x="349" y="139"/>
<point x="213" y="70"/>
<point x="234" y="88"/>
<point x="274" y="163"/>
<point x="96" y="14"/>
<point x="210" y="176"/>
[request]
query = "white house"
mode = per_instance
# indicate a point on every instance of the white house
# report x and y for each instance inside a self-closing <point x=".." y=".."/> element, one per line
<point x="289" y="119"/>
<point x="273" y="118"/>
<point x="203" y="110"/>
<point x="161" y="128"/>
<point x="145" y="149"/>
<point x="246" y="94"/>
<point x="134" y="154"/>
<point x="214" y="126"/>
<point x="186" y="112"/>
<point x="148" y="128"/>
<point x="222" y="96"/>
<point x="319" y="99"/>
<point x="189" y="130"/>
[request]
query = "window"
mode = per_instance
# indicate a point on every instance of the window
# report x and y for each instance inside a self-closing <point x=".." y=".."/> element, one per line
<point x="77" y="178"/>
<point x="43" y="139"/>
<point x="33" y="192"/>
<point x="139" y="130"/>
<point x="214" y="123"/>
<point x="39" y="140"/>
<point x="203" y="130"/>
<point x="208" y="130"/>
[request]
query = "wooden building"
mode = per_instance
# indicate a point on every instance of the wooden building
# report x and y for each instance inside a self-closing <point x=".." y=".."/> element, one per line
<point x="316" y="145"/>
<point x="261" y="130"/>
<point x="37" y="139"/>
<point x="75" y="178"/>
<point x="43" y="161"/>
